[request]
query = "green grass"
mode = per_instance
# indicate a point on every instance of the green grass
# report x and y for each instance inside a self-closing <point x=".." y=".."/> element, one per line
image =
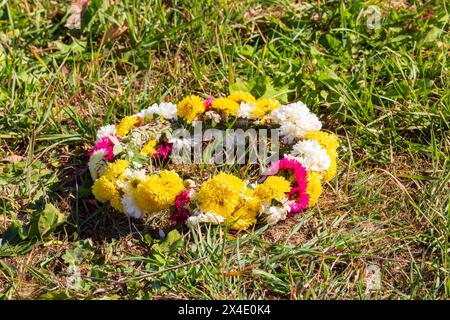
<point x="385" y="92"/>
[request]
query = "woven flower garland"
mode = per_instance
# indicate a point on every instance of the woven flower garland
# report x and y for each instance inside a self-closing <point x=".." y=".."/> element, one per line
<point x="130" y="164"/>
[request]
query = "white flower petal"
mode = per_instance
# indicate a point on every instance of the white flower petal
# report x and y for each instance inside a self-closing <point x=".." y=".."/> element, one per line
<point x="106" y="131"/>
<point x="295" y="121"/>
<point x="166" y="110"/>
<point x="97" y="163"/>
<point x="130" y="208"/>
<point x="274" y="214"/>
<point x="311" y="155"/>
<point x="208" y="217"/>
<point x="245" y="110"/>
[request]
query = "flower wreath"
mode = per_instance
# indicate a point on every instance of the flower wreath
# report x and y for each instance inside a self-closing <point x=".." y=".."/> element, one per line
<point x="123" y="164"/>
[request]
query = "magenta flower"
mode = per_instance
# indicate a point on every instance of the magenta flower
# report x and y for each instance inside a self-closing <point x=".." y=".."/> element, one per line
<point x="302" y="199"/>
<point x="298" y="191"/>
<point x="182" y="198"/>
<point x="163" y="150"/>
<point x="180" y="215"/>
<point x="208" y="102"/>
<point x="106" y="144"/>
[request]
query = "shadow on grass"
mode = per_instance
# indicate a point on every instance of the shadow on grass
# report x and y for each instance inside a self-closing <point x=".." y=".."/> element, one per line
<point x="67" y="210"/>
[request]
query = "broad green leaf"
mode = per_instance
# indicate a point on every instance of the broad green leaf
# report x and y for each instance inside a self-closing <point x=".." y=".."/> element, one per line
<point x="172" y="237"/>
<point x="76" y="46"/>
<point x="239" y="85"/>
<point x="328" y="76"/>
<point x="432" y="35"/>
<point x="259" y="85"/>
<point x="49" y="219"/>
<point x="276" y="93"/>
<point x="55" y="295"/>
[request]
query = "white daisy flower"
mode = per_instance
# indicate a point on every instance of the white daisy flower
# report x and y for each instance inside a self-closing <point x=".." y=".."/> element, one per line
<point x="130" y="174"/>
<point x="131" y="179"/>
<point x="295" y="121"/>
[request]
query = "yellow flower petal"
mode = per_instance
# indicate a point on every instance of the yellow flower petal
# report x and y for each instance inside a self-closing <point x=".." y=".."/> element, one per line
<point x="273" y="188"/>
<point x="242" y="96"/>
<point x="126" y="125"/>
<point x="190" y="107"/>
<point x="225" y="105"/>
<point x="158" y="192"/>
<point x="314" y="188"/>
<point x="221" y="194"/>
<point x="149" y="148"/>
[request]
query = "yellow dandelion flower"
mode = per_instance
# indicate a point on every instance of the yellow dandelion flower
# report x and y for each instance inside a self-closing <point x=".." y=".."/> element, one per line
<point x="115" y="169"/>
<point x="190" y="107"/>
<point x="225" y="105"/>
<point x="104" y="190"/>
<point x="330" y="142"/>
<point x="265" y="106"/>
<point x="273" y="188"/>
<point x="314" y="188"/>
<point x="149" y="148"/>
<point x="158" y="192"/>
<point x="242" y="96"/>
<point x="126" y="125"/>
<point x="221" y="194"/>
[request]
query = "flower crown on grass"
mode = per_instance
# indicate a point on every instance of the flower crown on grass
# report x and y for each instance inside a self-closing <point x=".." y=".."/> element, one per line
<point x="124" y="164"/>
